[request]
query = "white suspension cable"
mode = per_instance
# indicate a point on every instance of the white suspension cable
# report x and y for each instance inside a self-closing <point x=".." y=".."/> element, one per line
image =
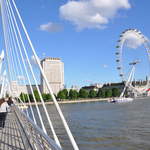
<point x="23" y="61"/>
<point x="13" y="60"/>
<point x="14" y="47"/>
<point x="1" y="60"/>
<point x="5" y="40"/>
<point x="30" y="66"/>
<point x="49" y="88"/>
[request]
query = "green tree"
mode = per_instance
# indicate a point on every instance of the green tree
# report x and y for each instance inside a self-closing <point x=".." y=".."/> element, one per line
<point x="31" y="97"/>
<point x="83" y="93"/>
<point x="92" y="94"/>
<point x="37" y="96"/>
<point x="101" y="93"/>
<point x="61" y="95"/>
<point x="21" y="96"/>
<point x="73" y="94"/>
<point x="108" y="93"/>
<point x="46" y="97"/>
<point x="115" y="92"/>
<point x="24" y="97"/>
<point x="65" y="91"/>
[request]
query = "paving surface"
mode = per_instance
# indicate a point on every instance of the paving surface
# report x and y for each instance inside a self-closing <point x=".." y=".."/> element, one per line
<point x="11" y="136"/>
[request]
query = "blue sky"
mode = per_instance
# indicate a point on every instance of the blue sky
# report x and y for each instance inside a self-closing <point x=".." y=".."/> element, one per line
<point x="87" y="49"/>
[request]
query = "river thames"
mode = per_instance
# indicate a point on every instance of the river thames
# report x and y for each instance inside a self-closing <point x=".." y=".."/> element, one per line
<point x="106" y="126"/>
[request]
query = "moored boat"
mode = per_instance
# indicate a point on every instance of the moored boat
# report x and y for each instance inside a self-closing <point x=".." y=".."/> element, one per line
<point x="123" y="99"/>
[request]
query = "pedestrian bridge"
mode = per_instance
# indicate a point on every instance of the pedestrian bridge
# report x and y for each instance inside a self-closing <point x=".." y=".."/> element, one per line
<point x="20" y="133"/>
<point x="23" y="130"/>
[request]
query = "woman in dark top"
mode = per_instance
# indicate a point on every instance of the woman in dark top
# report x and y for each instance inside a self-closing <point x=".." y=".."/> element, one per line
<point x="3" y="112"/>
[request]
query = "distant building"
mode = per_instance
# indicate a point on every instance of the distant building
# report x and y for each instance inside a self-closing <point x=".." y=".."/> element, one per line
<point x="95" y="87"/>
<point x="54" y="71"/>
<point x="119" y="85"/>
<point x="17" y="89"/>
<point x="91" y="87"/>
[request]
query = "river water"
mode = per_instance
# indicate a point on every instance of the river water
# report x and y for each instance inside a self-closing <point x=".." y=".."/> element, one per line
<point x="106" y="126"/>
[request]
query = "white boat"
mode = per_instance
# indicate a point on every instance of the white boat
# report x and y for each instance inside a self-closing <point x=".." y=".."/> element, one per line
<point x="121" y="100"/>
<point x="128" y="84"/>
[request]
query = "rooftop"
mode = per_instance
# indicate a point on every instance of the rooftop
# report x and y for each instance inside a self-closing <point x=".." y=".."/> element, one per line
<point x="50" y="58"/>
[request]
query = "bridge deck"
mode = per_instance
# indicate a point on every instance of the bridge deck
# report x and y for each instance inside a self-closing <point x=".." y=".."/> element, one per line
<point x="11" y="137"/>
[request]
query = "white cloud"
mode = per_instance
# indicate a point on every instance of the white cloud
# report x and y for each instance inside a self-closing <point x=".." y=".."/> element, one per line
<point x="105" y="66"/>
<point x="92" y="13"/>
<point x="51" y="27"/>
<point x="133" y="40"/>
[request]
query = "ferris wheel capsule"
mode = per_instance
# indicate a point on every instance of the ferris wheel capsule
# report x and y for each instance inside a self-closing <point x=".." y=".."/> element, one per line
<point x="117" y="53"/>
<point x="117" y="46"/>
<point x="118" y="68"/>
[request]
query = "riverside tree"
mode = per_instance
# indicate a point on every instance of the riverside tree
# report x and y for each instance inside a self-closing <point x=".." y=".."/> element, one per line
<point x="65" y="91"/>
<point x="46" y="97"/>
<point x="108" y="93"/>
<point x="92" y="94"/>
<point x="24" y="97"/>
<point x="115" y="92"/>
<point x="101" y="93"/>
<point x="73" y="94"/>
<point x="37" y="96"/>
<point x="83" y="93"/>
<point x="61" y="95"/>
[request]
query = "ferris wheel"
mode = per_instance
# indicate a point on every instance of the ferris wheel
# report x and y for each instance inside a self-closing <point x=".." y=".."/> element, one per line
<point x="119" y="57"/>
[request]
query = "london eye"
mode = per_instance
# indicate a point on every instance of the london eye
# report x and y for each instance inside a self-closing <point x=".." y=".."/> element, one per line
<point x="122" y="44"/>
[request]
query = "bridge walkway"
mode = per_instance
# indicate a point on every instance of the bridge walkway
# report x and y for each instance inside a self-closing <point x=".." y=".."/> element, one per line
<point x="12" y="136"/>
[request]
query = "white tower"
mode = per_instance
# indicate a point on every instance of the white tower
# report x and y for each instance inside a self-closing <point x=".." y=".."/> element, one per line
<point x="54" y="71"/>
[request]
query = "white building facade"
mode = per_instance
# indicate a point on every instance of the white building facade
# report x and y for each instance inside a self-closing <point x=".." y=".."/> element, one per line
<point x="54" y="71"/>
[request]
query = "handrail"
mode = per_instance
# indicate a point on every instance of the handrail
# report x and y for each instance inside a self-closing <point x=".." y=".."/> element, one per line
<point x="37" y="138"/>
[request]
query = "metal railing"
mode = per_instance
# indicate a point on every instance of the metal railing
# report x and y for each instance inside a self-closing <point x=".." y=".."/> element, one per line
<point x="37" y="139"/>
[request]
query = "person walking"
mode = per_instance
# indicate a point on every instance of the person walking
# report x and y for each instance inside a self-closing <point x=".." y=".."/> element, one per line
<point x="3" y="112"/>
<point x="10" y="101"/>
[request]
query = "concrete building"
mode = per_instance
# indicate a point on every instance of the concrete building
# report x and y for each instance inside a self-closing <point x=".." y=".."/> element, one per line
<point x="18" y="89"/>
<point x="54" y="71"/>
<point x="95" y="87"/>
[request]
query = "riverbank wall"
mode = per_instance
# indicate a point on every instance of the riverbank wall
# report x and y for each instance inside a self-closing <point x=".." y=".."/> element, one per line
<point x="72" y="101"/>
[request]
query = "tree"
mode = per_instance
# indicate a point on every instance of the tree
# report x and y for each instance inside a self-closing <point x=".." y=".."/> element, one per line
<point x="92" y="94"/>
<point x="31" y="97"/>
<point x="101" y="93"/>
<point x="37" y="96"/>
<point x="73" y="94"/>
<point x="46" y="97"/>
<point x="65" y="91"/>
<point x="115" y="92"/>
<point x="24" y="97"/>
<point x="108" y="93"/>
<point x="61" y="95"/>
<point x="83" y="93"/>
